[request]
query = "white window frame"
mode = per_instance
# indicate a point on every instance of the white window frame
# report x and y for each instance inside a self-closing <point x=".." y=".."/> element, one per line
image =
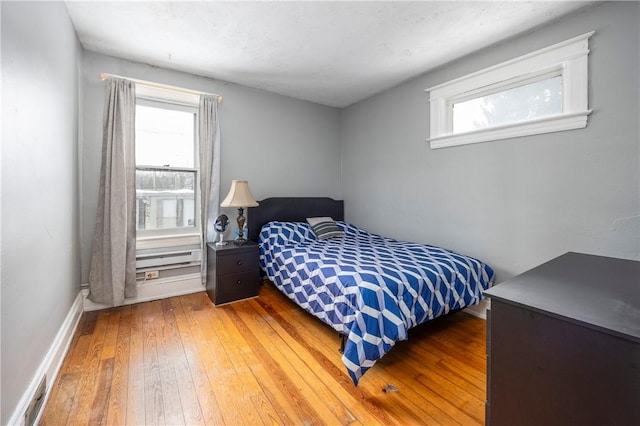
<point x="171" y="99"/>
<point x="568" y="59"/>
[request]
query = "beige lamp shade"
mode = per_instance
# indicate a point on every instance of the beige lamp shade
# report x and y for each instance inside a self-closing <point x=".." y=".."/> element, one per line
<point x="239" y="195"/>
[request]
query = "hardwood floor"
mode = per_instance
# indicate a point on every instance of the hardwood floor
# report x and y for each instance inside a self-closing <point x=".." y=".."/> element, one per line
<point x="184" y="361"/>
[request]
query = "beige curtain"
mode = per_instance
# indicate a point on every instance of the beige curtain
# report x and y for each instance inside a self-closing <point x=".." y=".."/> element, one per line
<point x="209" y="151"/>
<point x="112" y="276"/>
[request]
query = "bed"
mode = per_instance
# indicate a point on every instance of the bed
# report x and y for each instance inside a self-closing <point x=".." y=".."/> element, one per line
<point x="369" y="288"/>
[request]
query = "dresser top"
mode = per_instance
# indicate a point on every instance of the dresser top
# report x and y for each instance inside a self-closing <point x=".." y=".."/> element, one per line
<point x="595" y="291"/>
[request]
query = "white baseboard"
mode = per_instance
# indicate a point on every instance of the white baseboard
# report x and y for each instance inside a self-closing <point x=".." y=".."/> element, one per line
<point x="479" y="310"/>
<point x="50" y="365"/>
<point x="154" y="290"/>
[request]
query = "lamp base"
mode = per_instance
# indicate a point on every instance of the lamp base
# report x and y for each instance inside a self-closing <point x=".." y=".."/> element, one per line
<point x="241" y="221"/>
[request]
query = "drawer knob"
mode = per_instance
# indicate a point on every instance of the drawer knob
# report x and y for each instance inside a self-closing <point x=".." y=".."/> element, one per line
<point x="239" y="263"/>
<point x="239" y="282"/>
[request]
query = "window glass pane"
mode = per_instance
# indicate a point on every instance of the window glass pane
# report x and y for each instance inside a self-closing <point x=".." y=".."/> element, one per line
<point x="165" y="199"/>
<point x="164" y="137"/>
<point x="534" y="100"/>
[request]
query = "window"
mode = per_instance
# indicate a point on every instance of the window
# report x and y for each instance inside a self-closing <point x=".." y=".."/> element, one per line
<point x="167" y="202"/>
<point x="544" y="91"/>
<point x="526" y="101"/>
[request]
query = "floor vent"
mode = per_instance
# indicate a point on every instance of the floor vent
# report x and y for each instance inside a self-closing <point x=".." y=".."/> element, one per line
<point x="36" y="403"/>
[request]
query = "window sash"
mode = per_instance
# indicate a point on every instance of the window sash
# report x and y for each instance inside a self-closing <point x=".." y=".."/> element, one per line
<point x="157" y="198"/>
<point x="168" y="143"/>
<point x="506" y="88"/>
<point x="162" y="236"/>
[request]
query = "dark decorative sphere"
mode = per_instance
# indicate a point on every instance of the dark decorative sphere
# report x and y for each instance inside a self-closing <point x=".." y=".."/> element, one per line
<point x="221" y="223"/>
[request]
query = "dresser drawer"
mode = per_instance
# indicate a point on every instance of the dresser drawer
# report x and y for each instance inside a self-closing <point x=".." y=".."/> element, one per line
<point x="237" y="287"/>
<point x="237" y="262"/>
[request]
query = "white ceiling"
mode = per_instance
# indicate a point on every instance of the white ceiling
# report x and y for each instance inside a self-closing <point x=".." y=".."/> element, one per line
<point x="332" y="53"/>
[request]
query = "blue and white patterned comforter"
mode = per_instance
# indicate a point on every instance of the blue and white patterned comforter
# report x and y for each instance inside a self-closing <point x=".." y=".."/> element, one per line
<point x="370" y="288"/>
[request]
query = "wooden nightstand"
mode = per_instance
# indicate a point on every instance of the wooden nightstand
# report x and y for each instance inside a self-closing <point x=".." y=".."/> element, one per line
<point x="233" y="272"/>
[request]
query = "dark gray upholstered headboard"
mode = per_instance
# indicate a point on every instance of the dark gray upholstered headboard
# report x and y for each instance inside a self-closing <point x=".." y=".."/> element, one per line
<point x="291" y="209"/>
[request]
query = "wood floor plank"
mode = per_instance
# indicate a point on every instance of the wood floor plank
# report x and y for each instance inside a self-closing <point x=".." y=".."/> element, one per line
<point x="260" y="361"/>
<point x="103" y="380"/>
<point x="428" y="401"/>
<point x="153" y="397"/>
<point x="376" y="379"/>
<point x="176" y="356"/>
<point x="349" y="410"/>
<point x="458" y="402"/>
<point x="169" y="355"/>
<point x="136" y="391"/>
<point x="198" y="370"/>
<point x="238" y="377"/>
<point x="435" y="413"/>
<point x="219" y="368"/>
<point x="455" y="377"/>
<point x="111" y="335"/>
<point x="119" y="381"/>
<point x="69" y="378"/>
<point x="459" y="352"/>
<point x="287" y="413"/>
<point x="62" y="396"/>
<point x="235" y="344"/>
<point x="473" y="374"/>
<point x="292" y="363"/>
<point x="89" y="322"/>
<point x="265" y="410"/>
<point x="447" y="391"/>
<point x="102" y="390"/>
<point x="89" y="366"/>
<point x="74" y="346"/>
<point x="282" y="348"/>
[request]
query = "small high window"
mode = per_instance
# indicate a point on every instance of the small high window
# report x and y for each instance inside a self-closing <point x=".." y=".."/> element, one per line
<point x="544" y="91"/>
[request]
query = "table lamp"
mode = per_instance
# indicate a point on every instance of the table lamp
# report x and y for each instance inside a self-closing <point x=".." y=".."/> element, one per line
<point x="239" y="196"/>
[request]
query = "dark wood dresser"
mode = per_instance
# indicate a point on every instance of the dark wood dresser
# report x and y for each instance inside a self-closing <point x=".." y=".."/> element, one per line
<point x="563" y="344"/>
<point x="232" y="272"/>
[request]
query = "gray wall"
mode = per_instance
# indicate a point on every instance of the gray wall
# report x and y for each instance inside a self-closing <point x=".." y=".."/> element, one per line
<point x="282" y="146"/>
<point x="40" y="270"/>
<point x="513" y="203"/>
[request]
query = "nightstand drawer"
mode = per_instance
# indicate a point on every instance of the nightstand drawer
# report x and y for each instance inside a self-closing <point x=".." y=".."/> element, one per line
<point x="238" y="262"/>
<point x="233" y="272"/>
<point x="237" y="286"/>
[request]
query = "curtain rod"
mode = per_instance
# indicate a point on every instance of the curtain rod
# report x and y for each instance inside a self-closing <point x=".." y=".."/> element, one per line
<point x="104" y="76"/>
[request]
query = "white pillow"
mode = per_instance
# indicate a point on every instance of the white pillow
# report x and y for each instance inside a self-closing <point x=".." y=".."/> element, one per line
<point x="324" y="228"/>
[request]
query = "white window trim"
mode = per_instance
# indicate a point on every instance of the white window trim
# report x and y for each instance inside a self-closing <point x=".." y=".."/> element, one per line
<point x="569" y="57"/>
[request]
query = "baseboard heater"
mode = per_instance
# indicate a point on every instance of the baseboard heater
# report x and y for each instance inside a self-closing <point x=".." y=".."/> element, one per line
<point x="168" y="257"/>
